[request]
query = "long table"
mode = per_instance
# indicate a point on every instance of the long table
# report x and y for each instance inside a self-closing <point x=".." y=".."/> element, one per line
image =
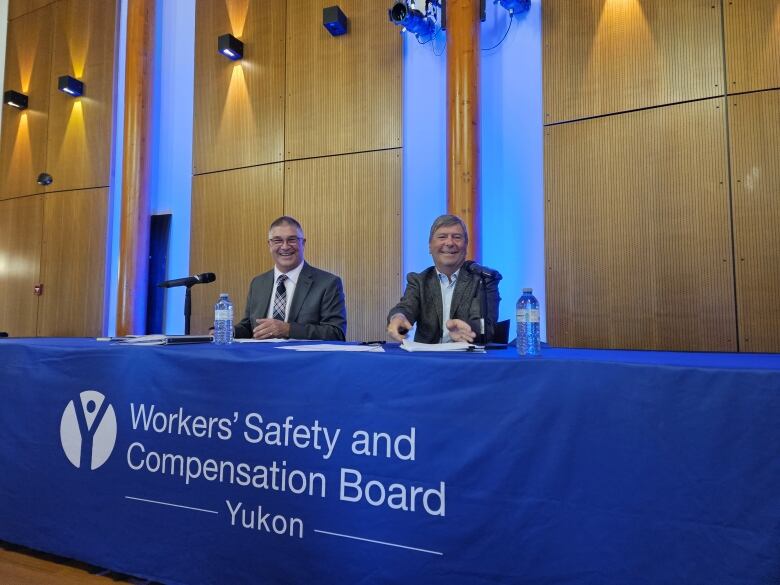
<point x="256" y="464"/>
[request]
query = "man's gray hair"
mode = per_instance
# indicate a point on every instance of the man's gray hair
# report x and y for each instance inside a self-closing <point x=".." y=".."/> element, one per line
<point x="447" y="221"/>
<point x="285" y="220"/>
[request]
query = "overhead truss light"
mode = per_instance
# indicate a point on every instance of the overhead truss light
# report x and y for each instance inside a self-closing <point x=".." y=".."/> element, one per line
<point x="230" y="47"/>
<point x="70" y="85"/>
<point x="15" y="99"/>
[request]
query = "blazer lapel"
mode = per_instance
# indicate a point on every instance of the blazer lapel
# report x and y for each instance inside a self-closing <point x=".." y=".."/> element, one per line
<point x="434" y="292"/>
<point x="266" y="287"/>
<point x="464" y="290"/>
<point x="301" y="290"/>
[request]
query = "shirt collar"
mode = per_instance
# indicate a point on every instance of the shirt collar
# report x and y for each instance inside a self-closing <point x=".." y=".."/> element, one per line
<point x="443" y="277"/>
<point x="292" y="274"/>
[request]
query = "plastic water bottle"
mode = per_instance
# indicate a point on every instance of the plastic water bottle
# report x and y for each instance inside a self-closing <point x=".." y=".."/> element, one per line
<point x="223" y="320"/>
<point x="528" y="331"/>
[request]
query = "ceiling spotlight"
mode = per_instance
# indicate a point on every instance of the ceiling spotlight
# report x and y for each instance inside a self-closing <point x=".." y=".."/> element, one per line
<point x="70" y="85"/>
<point x="418" y="22"/>
<point x="15" y="99"/>
<point x="230" y="47"/>
<point x="334" y="20"/>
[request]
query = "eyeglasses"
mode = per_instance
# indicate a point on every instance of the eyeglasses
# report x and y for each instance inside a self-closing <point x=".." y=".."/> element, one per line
<point x="291" y="241"/>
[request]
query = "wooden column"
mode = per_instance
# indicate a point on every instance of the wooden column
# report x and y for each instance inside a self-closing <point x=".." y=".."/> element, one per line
<point x="463" y="126"/>
<point x="136" y="166"/>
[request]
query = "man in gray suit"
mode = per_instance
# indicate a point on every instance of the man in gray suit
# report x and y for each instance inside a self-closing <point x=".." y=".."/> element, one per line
<point x="442" y="299"/>
<point x="294" y="300"/>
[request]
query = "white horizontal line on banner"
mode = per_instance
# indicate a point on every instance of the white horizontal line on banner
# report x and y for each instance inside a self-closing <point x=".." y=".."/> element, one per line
<point x="430" y="552"/>
<point x="173" y="505"/>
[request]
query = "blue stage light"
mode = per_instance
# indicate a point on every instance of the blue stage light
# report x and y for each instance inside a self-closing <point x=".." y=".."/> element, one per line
<point x="405" y="14"/>
<point x="334" y="20"/>
<point x="515" y="6"/>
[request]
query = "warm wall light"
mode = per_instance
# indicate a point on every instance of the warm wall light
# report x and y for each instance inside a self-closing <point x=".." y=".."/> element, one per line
<point x="334" y="20"/>
<point x="70" y="85"/>
<point x="230" y="47"/>
<point x="15" y="99"/>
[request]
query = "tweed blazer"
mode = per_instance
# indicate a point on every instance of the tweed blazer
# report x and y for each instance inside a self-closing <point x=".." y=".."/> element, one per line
<point x="422" y="304"/>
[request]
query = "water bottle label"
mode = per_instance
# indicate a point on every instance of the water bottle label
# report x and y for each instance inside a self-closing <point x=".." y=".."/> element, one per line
<point x="223" y="314"/>
<point x="528" y="315"/>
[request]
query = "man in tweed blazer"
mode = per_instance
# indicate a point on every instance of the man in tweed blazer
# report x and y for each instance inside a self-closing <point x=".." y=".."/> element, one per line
<point x="442" y="299"/>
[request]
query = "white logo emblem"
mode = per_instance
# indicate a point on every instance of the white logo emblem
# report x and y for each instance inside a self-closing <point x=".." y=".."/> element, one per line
<point x="88" y="430"/>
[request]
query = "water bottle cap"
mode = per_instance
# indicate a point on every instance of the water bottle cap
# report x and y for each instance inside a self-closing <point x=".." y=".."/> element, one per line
<point x="223" y="295"/>
<point x="528" y="291"/>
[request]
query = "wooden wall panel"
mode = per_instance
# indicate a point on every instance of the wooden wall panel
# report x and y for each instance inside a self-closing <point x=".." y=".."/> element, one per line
<point x="755" y="142"/>
<point x="350" y="208"/>
<point x="79" y="135"/>
<point x="343" y="93"/>
<point x="17" y="8"/>
<point x="239" y="106"/>
<point x="637" y="237"/>
<point x="231" y="212"/>
<point x="27" y="69"/>
<point x="73" y="263"/>
<point x="606" y="56"/>
<point x="20" y="256"/>
<point x="752" y="44"/>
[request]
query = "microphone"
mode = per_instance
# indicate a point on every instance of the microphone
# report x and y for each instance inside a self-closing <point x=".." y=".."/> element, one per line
<point x="482" y="271"/>
<point x="189" y="280"/>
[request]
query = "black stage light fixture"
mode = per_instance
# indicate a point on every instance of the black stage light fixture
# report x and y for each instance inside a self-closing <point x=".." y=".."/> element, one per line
<point x="334" y="20"/>
<point x="516" y="6"/>
<point x="230" y="47"/>
<point x="70" y="85"/>
<point x="15" y="99"/>
<point x="405" y="14"/>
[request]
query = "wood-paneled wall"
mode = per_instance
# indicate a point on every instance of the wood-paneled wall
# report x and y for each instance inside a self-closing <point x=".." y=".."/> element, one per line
<point x="20" y="262"/>
<point x="73" y="263"/>
<point x="58" y="239"/>
<point x="645" y="263"/>
<point x="327" y="108"/>
<point x="755" y="170"/>
<point x="27" y="70"/>
<point x="651" y="240"/>
<point x="17" y="8"/>
<point x="231" y="212"/>
<point x="607" y="56"/>
<point x="65" y="137"/>
<point x="239" y="105"/>
<point x="357" y="234"/>
<point x="752" y="44"/>
<point x="343" y="94"/>
<point x="79" y="135"/>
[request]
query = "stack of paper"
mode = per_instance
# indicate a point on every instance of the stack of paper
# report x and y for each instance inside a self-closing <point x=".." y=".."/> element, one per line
<point x="334" y="347"/>
<point x="452" y="346"/>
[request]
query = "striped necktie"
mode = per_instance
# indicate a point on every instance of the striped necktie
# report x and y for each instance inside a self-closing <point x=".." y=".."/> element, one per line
<point x="280" y="298"/>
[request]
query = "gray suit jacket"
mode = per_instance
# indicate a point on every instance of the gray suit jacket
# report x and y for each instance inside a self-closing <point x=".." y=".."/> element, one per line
<point x="317" y="310"/>
<point x="422" y="304"/>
